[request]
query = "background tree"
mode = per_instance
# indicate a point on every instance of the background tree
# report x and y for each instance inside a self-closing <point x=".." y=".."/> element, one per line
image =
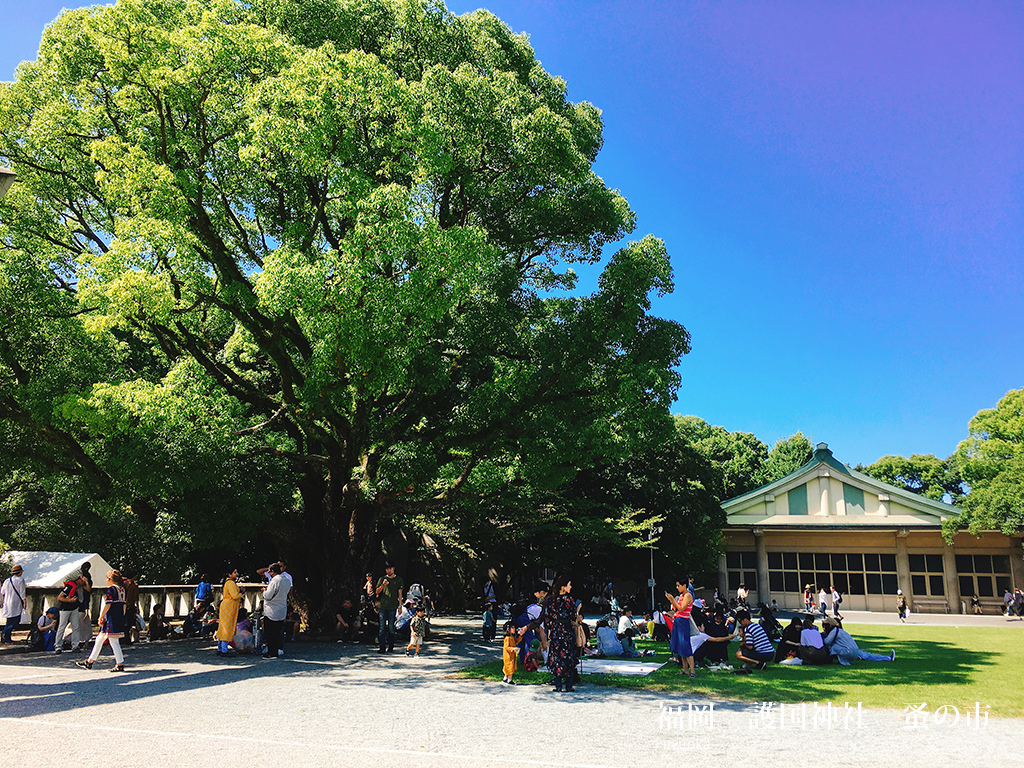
<point x="923" y="474"/>
<point x="740" y="456"/>
<point x="991" y="461"/>
<point x="311" y="272"/>
<point x="787" y="455"/>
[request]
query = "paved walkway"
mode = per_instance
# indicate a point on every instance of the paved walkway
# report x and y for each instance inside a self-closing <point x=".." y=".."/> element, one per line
<point x="334" y="704"/>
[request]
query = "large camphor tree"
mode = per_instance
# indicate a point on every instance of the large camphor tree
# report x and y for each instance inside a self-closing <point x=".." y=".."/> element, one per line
<point x="303" y="266"/>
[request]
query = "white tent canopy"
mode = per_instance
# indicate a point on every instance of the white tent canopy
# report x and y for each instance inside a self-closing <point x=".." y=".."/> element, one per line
<point x="52" y="569"/>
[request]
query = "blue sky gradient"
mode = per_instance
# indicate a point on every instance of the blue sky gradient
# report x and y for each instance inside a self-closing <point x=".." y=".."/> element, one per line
<point x="839" y="185"/>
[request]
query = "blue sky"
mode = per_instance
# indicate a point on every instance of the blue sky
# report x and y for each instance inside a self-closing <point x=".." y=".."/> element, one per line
<point x="839" y="186"/>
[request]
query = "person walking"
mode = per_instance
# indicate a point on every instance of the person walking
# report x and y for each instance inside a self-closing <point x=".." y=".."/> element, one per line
<point x="389" y="592"/>
<point x="227" y="616"/>
<point x="12" y="597"/>
<point x="111" y="623"/>
<point x="275" y="609"/>
<point x="557" y="623"/>
<point x="901" y="606"/>
<point x="823" y="602"/>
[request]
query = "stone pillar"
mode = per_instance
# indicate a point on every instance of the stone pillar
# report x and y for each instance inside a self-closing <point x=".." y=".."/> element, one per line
<point x="762" y="567"/>
<point x="902" y="564"/>
<point x="883" y="504"/>
<point x="1016" y="562"/>
<point x="953" y="597"/>
<point x="825" y="488"/>
<point x="723" y="579"/>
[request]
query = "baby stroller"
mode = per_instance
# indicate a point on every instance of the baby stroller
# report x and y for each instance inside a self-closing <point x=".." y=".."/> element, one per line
<point x="256" y="620"/>
<point x="769" y="623"/>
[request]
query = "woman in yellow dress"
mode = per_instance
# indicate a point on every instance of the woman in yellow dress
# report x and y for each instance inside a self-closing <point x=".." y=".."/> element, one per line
<point x="230" y="599"/>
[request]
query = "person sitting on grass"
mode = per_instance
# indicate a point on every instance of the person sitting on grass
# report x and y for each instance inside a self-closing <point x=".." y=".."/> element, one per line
<point x="715" y="648"/>
<point x="812" y="645"/>
<point x="608" y="644"/>
<point x="789" y="645"/>
<point x="843" y="647"/>
<point x="629" y="650"/>
<point x="756" y="649"/>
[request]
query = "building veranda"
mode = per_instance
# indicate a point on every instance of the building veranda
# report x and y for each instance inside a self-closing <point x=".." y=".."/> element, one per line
<point x="828" y="525"/>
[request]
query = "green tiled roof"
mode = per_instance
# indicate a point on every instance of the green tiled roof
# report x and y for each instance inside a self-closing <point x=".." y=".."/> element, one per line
<point x="822" y="455"/>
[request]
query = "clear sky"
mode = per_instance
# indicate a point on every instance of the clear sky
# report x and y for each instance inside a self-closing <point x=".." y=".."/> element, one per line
<point x="839" y="185"/>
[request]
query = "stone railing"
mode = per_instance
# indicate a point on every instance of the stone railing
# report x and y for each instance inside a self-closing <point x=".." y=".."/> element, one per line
<point x="177" y="599"/>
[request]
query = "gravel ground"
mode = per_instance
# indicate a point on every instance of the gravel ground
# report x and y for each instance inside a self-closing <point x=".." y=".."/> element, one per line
<point x="337" y="704"/>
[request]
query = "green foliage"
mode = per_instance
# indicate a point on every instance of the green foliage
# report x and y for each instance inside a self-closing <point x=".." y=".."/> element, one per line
<point x="787" y="455"/>
<point x="292" y="272"/>
<point x="991" y="461"/>
<point x="739" y="456"/>
<point x="923" y="474"/>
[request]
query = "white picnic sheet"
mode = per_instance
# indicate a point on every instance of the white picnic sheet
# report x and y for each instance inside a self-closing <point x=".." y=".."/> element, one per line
<point x="591" y="666"/>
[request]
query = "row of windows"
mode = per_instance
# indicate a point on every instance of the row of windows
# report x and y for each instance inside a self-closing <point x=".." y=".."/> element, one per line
<point x="869" y="574"/>
<point x="846" y="583"/>
<point x="817" y="561"/>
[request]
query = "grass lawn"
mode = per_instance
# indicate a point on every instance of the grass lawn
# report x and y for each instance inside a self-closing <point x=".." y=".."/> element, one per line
<point x="938" y="665"/>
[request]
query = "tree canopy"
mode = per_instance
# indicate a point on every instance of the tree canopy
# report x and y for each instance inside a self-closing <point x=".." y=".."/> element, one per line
<point x="991" y="461"/>
<point x="271" y="268"/>
<point x="926" y="475"/>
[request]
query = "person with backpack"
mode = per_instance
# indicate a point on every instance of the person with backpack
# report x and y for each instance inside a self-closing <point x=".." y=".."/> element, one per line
<point x="67" y="603"/>
<point x="44" y="633"/>
<point x="12" y="595"/>
<point x="836" y="600"/>
<point x="204" y="590"/>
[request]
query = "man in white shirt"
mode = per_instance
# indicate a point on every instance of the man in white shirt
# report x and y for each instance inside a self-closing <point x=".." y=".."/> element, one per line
<point x="12" y="597"/>
<point x="625" y="621"/>
<point x="836" y="599"/>
<point x="275" y="609"/>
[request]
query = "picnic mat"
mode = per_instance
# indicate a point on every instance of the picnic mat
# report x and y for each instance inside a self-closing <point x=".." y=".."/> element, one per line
<point x="617" y="667"/>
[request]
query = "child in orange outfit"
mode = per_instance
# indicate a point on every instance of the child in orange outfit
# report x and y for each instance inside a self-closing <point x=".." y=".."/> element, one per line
<point x="510" y="653"/>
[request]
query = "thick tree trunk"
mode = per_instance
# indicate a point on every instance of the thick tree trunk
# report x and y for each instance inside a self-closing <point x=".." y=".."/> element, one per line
<point x="331" y="552"/>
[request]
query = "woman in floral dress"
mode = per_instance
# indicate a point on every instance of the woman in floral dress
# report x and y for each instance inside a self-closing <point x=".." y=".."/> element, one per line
<point x="111" y="623"/>
<point x="558" y="632"/>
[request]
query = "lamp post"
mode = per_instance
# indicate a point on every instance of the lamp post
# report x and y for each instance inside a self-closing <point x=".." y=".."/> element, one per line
<point x="656" y="531"/>
<point x="7" y="177"/>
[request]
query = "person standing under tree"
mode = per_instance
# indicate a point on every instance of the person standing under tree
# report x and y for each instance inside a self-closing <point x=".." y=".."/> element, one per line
<point x="111" y="623"/>
<point x="227" y="617"/>
<point x="131" y="608"/>
<point x="12" y="595"/>
<point x="389" y="592"/>
<point x="67" y="603"/>
<point x="84" y="605"/>
<point x="679" y="643"/>
<point x="275" y="609"/>
<point x="557" y="624"/>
